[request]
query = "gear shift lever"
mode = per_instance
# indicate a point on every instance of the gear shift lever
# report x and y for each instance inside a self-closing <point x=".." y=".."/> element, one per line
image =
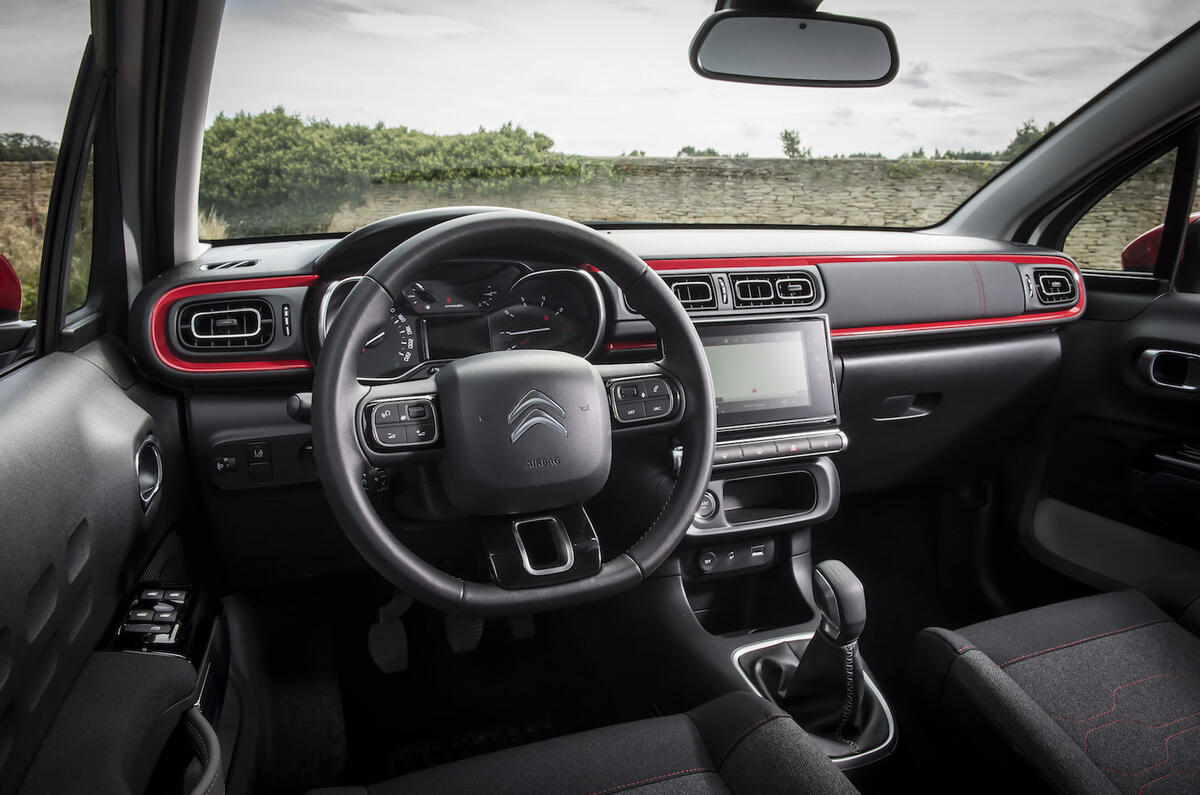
<point x="840" y="599"/>
<point x="824" y="688"/>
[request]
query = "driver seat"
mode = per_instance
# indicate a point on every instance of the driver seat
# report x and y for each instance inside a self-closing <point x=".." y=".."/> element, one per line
<point x="738" y="743"/>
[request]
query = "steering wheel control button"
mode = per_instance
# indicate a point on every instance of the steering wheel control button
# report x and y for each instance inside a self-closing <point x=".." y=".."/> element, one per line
<point x="629" y="391"/>
<point x="386" y="414"/>
<point x="392" y="435"/>
<point x="412" y="423"/>
<point x="641" y="400"/>
<point x="656" y="388"/>
<point x="631" y="412"/>
<point x="658" y="407"/>
<point x="421" y="432"/>
<point x="708" y="506"/>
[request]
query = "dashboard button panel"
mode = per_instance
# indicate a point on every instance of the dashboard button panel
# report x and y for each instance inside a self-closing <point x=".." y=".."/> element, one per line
<point x="769" y="450"/>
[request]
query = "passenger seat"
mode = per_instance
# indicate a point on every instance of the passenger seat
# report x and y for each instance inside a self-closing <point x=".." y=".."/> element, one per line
<point x="1100" y="694"/>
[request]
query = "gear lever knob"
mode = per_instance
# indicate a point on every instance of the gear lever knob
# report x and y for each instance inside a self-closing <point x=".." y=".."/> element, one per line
<point x="840" y="599"/>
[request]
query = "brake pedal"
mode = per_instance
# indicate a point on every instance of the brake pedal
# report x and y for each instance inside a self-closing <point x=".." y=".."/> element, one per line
<point x="463" y="633"/>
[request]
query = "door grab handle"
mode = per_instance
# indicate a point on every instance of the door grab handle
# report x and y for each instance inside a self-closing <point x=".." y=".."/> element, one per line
<point x="1170" y="369"/>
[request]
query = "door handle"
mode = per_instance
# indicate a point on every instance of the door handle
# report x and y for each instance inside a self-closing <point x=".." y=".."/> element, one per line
<point x="1169" y="369"/>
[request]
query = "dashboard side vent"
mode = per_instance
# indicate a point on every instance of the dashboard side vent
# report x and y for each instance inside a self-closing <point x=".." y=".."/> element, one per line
<point x="233" y="325"/>
<point x="694" y="291"/>
<point x="753" y="290"/>
<point x="1055" y="286"/>
<point x="224" y="266"/>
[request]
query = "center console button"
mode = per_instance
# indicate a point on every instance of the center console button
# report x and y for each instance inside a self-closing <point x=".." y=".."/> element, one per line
<point x="753" y="451"/>
<point x="797" y="446"/>
<point x="727" y="454"/>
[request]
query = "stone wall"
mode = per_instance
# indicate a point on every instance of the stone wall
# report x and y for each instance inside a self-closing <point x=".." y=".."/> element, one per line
<point x="820" y="191"/>
<point x="25" y="187"/>
<point x="832" y="191"/>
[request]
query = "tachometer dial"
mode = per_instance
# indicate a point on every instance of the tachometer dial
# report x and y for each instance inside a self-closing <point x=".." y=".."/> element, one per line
<point x="391" y="352"/>
<point x="557" y="310"/>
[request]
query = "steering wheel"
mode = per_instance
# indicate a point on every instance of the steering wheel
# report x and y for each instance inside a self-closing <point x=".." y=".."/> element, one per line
<point x="522" y="438"/>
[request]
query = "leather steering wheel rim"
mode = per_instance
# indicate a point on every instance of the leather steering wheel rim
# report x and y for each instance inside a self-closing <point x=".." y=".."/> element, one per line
<point x="337" y="395"/>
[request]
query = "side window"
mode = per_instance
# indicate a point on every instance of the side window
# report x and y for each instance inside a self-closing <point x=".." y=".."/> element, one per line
<point x="80" y="272"/>
<point x="36" y="83"/>
<point x="1122" y="231"/>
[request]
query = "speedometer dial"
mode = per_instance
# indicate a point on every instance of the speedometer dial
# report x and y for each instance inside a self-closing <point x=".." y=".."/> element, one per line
<point x="557" y="310"/>
<point x="393" y="351"/>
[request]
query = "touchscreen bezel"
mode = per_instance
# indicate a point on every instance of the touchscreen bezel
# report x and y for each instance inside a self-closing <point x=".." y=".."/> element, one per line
<point x="818" y="349"/>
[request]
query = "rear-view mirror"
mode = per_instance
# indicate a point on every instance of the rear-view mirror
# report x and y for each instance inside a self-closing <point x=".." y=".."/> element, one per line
<point x="809" y="49"/>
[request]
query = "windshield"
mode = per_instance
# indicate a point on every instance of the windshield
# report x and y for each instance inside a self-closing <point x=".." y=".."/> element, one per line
<point x="324" y="117"/>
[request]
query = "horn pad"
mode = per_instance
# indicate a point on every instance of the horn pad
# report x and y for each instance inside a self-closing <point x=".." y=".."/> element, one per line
<point x="524" y="431"/>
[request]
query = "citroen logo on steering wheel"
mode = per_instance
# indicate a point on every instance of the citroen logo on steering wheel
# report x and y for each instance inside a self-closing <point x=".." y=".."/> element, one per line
<point x="536" y="408"/>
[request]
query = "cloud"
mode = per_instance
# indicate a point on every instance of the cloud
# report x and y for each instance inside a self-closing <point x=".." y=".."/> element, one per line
<point x="933" y="103"/>
<point x="915" y="75"/>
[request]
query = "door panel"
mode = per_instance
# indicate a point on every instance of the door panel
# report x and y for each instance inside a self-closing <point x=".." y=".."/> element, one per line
<point x="1120" y="499"/>
<point x="71" y="516"/>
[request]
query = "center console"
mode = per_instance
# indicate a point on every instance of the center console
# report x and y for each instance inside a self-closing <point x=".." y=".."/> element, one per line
<point x="777" y="423"/>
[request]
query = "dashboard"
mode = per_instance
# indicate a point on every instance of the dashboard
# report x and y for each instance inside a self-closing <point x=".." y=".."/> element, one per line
<point x="476" y="306"/>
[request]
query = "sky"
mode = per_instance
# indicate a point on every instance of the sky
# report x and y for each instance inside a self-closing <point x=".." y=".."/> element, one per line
<point x="602" y="78"/>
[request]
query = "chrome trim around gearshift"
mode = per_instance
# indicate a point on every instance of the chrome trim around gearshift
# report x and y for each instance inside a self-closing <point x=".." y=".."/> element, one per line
<point x="849" y="760"/>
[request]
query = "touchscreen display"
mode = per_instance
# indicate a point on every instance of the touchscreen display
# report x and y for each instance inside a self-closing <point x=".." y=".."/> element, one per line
<point x="770" y="371"/>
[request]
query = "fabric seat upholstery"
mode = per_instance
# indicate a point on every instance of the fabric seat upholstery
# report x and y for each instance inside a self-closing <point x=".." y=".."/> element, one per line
<point x="1100" y="694"/>
<point x="738" y="743"/>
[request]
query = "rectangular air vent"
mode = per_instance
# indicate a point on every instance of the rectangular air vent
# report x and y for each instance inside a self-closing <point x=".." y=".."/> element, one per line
<point x="1055" y="286"/>
<point x="231" y="325"/>
<point x="224" y="266"/>
<point x="753" y="290"/>
<point x="695" y="292"/>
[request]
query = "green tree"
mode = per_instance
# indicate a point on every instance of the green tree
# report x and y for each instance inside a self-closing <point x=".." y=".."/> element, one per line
<point x="274" y="173"/>
<point x="1026" y="136"/>
<point x="791" y="145"/>
<point x="20" y="146"/>
<point x="691" y="151"/>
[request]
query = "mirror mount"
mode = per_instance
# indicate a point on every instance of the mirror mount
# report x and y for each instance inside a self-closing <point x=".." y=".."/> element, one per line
<point x="776" y="42"/>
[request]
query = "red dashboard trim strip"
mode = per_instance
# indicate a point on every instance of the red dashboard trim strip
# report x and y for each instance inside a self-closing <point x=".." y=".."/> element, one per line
<point x="942" y="325"/>
<point x="158" y="325"/>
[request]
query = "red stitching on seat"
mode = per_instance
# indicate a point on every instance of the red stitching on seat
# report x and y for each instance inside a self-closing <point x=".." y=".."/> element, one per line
<point x="964" y="648"/>
<point x="1160" y="778"/>
<point x="663" y="777"/>
<point x="1085" y="640"/>
<point x="1166" y="745"/>
<point x="1088" y="733"/>
<point x="1114" y="697"/>
<point x="744" y="734"/>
